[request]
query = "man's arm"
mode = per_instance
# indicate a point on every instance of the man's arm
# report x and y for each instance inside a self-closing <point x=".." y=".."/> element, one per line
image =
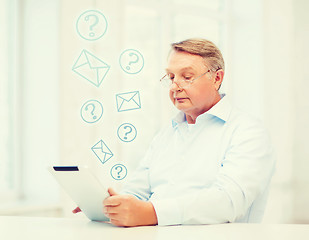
<point x="248" y="166"/>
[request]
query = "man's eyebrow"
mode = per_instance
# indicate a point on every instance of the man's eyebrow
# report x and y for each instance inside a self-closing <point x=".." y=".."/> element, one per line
<point x="182" y="69"/>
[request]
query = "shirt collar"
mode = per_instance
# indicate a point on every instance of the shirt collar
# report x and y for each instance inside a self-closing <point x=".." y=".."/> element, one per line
<point x="221" y="109"/>
<point x="179" y="118"/>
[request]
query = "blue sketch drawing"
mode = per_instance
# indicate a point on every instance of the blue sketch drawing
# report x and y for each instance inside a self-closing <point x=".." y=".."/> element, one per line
<point x="102" y="152"/>
<point x="128" y="101"/>
<point x="119" y="172"/>
<point x="91" y="25"/>
<point x="91" y="68"/>
<point x="91" y="111"/>
<point x="131" y="61"/>
<point x="126" y="132"/>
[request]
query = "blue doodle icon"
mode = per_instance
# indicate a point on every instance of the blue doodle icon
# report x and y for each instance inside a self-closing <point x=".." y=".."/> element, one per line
<point x="90" y="68"/>
<point x="91" y="25"/>
<point x="119" y="172"/>
<point x="131" y="61"/>
<point x="126" y="132"/>
<point x="91" y="111"/>
<point x="128" y="101"/>
<point x="102" y="152"/>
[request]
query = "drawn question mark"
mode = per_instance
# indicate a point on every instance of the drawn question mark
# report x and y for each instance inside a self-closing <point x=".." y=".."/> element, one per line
<point x="118" y="172"/>
<point x="92" y="111"/>
<point x="117" y="169"/>
<point x="135" y="61"/>
<point x="91" y="34"/>
<point x="125" y="135"/>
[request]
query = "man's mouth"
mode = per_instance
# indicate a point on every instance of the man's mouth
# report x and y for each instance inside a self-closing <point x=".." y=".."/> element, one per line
<point x="180" y="99"/>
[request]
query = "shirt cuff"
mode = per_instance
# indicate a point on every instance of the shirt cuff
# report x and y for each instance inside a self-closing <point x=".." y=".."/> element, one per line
<point x="168" y="212"/>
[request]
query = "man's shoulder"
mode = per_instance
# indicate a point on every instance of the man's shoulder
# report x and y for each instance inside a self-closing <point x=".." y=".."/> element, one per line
<point x="242" y="119"/>
<point x="236" y="115"/>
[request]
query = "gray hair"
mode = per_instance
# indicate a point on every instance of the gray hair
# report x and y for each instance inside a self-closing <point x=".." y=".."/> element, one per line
<point x="204" y="48"/>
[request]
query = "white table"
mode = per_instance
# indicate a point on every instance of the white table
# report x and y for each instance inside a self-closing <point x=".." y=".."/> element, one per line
<point x="24" y="228"/>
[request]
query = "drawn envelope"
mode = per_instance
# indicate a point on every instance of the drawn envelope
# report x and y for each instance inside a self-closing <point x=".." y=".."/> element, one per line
<point x="128" y="101"/>
<point x="91" y="68"/>
<point x="102" y="151"/>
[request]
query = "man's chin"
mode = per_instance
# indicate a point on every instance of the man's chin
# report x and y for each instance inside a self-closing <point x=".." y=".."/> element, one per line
<point x="180" y="106"/>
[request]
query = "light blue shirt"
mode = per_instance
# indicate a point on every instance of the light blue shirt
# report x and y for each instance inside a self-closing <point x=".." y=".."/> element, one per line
<point x="214" y="171"/>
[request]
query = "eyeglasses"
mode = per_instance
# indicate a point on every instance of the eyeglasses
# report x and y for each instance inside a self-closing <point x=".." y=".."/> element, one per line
<point x="182" y="83"/>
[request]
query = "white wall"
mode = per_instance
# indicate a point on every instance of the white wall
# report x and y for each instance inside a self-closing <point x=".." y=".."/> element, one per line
<point x="279" y="94"/>
<point x="299" y="80"/>
<point x="286" y="106"/>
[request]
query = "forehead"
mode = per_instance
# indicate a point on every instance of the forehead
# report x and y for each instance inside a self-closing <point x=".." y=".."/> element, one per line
<point x="183" y="60"/>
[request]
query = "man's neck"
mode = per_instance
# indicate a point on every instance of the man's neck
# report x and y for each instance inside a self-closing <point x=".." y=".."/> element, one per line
<point x="191" y="117"/>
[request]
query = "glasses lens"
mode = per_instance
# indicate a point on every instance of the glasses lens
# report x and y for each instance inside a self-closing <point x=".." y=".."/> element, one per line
<point x="184" y="83"/>
<point x="166" y="82"/>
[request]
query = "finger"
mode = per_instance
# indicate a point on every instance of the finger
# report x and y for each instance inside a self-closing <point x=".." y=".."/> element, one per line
<point x="112" y="201"/>
<point x="112" y="215"/>
<point x="116" y="222"/>
<point x="77" y="210"/>
<point x="112" y="192"/>
<point x="111" y="210"/>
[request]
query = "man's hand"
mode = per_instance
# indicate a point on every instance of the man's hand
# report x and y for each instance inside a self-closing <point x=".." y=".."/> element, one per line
<point x="127" y="210"/>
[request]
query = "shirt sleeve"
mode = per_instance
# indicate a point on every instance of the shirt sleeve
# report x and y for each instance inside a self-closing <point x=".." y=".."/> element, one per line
<point x="139" y="183"/>
<point x="246" y="171"/>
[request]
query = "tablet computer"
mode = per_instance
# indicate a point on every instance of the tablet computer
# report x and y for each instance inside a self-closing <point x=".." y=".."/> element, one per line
<point x="84" y="189"/>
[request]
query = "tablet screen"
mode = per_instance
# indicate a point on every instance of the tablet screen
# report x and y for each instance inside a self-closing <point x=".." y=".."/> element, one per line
<point x="84" y="189"/>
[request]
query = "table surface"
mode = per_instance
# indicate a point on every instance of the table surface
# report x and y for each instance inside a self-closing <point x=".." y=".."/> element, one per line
<point x="13" y="228"/>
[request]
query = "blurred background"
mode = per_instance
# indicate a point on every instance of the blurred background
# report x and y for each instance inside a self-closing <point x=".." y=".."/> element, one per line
<point x="265" y="46"/>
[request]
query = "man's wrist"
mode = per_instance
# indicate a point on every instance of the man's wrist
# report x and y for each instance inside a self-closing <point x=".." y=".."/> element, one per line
<point x="150" y="214"/>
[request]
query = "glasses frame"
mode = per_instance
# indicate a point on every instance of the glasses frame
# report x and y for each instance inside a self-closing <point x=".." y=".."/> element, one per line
<point x="185" y="80"/>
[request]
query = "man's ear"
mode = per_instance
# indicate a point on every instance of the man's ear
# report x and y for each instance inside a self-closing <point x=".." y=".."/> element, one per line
<point x="218" y="78"/>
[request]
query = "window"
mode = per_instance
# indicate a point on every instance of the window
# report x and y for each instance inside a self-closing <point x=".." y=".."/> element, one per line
<point x="29" y="134"/>
<point x="8" y="158"/>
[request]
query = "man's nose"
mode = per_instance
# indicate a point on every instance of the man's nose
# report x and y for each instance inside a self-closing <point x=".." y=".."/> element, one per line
<point x="175" y="87"/>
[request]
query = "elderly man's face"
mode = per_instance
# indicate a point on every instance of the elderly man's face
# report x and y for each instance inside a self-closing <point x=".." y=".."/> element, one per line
<point x="202" y="93"/>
